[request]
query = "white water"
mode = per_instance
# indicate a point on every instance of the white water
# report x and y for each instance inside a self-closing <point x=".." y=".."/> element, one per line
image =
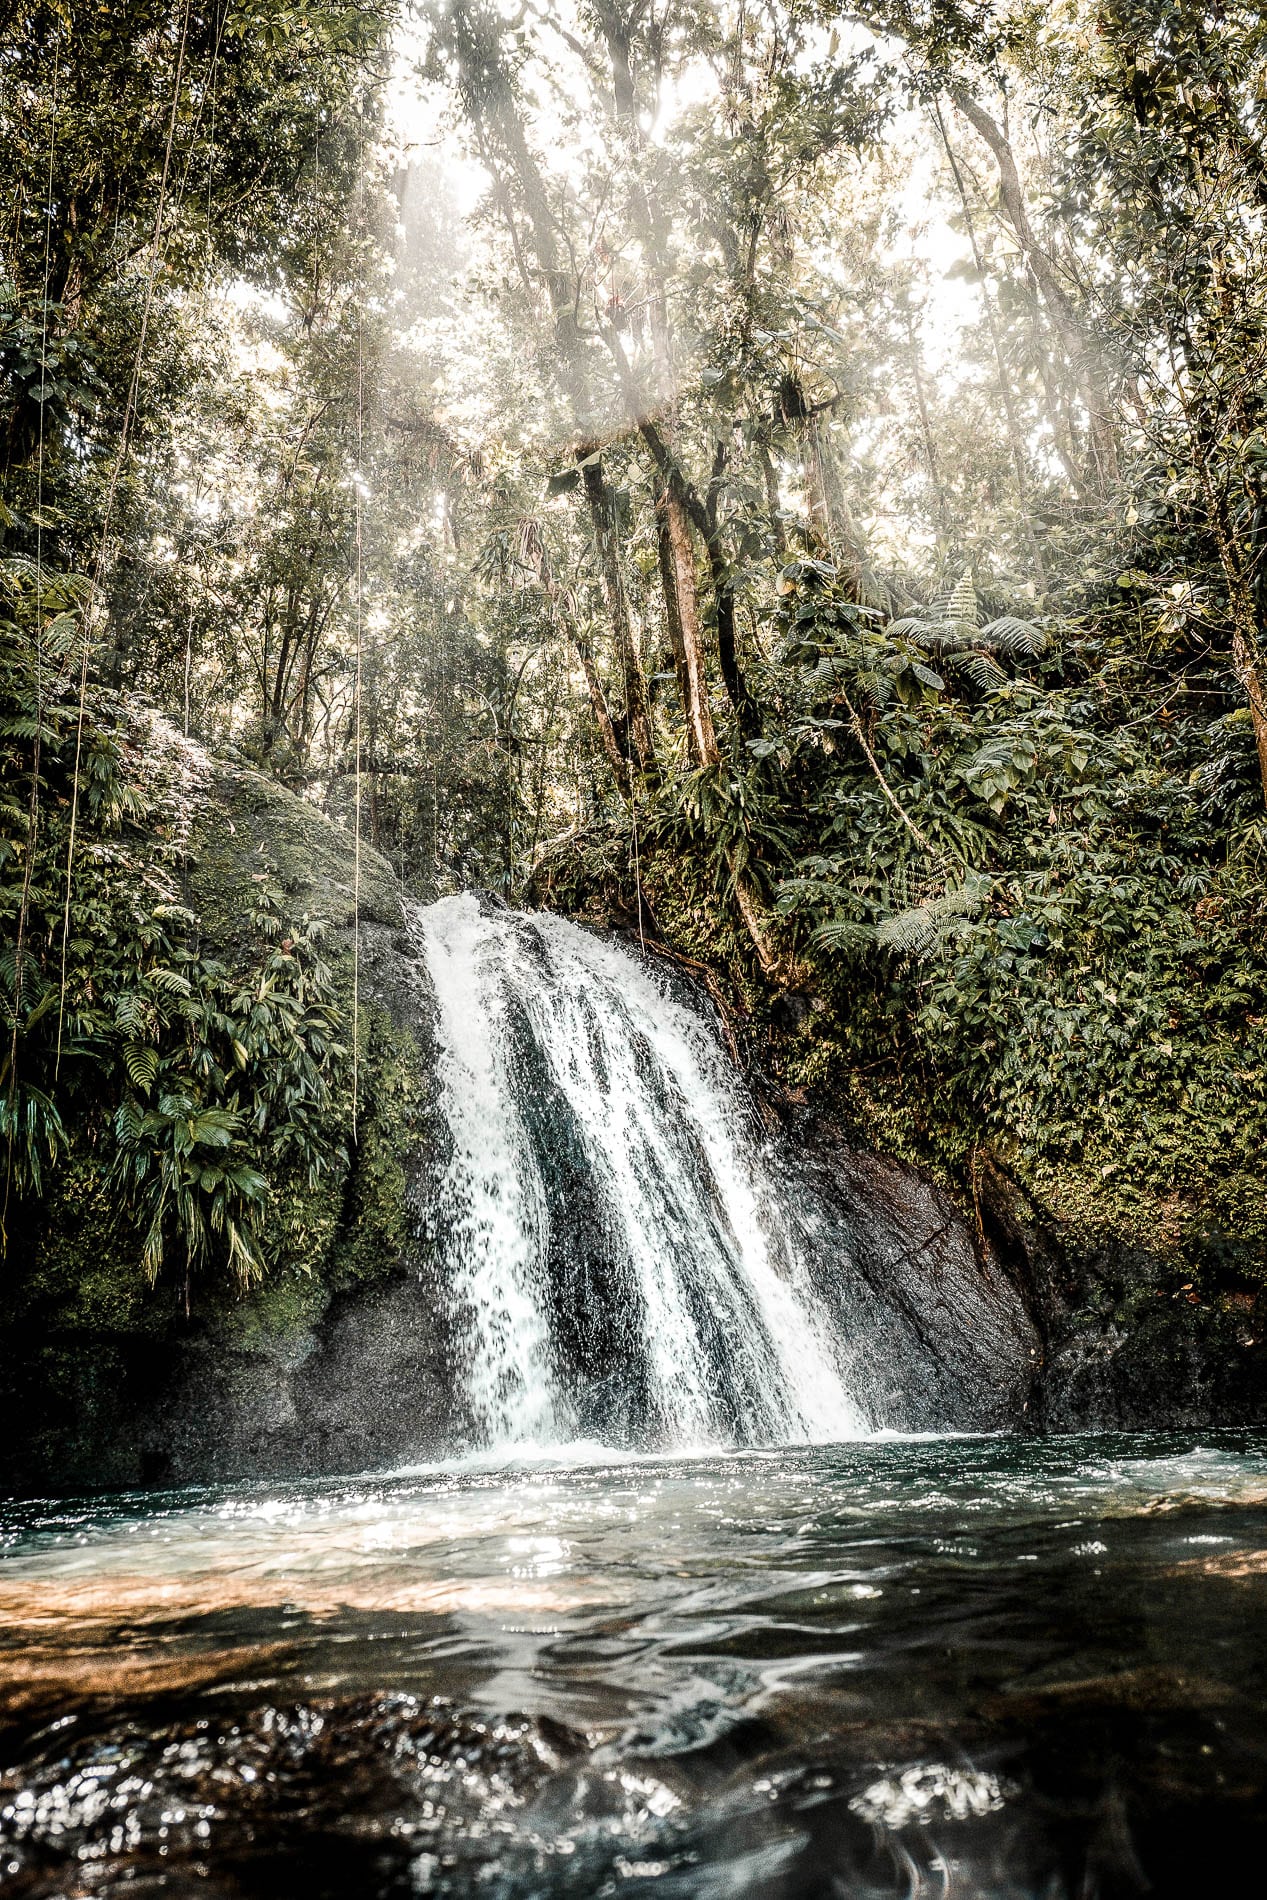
<point x="607" y="1224"/>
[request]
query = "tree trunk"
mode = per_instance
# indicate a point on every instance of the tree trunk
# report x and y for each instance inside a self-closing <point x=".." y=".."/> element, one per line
<point x="1056" y="298"/>
<point x="668" y="588"/>
<point x="1015" y="433"/>
<point x="773" y="509"/>
<point x="1246" y="659"/>
<point x="602" y="717"/>
<point x="534" y="550"/>
<point x="598" y="496"/>
<point x="940" y="511"/>
<point x="684" y="592"/>
<point x="1250" y="674"/>
<point x="493" y="108"/>
<point x="755" y="917"/>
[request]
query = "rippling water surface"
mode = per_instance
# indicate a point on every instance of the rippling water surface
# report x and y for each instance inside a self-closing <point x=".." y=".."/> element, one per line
<point x="951" y="1667"/>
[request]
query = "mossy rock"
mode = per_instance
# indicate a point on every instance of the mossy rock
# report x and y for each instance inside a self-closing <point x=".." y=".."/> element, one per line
<point x="89" y="1344"/>
<point x="249" y="828"/>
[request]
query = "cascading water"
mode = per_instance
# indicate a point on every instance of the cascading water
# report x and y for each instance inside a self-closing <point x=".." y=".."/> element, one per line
<point x="619" y="1262"/>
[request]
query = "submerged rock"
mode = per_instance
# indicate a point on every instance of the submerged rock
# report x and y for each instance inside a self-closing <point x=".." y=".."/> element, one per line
<point x="357" y="1783"/>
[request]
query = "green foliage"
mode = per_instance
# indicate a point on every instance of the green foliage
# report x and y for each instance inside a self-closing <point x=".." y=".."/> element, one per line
<point x="196" y="1080"/>
<point x="1057" y="954"/>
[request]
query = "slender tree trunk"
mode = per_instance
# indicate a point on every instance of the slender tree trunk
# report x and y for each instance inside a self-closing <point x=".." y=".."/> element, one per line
<point x="1249" y="671"/>
<point x="746" y="710"/>
<point x="830" y="515"/>
<point x="491" y="105"/>
<point x="1246" y="658"/>
<point x="756" y="920"/>
<point x="770" y="481"/>
<point x="493" y="109"/>
<point x="1063" y="315"/>
<point x="1015" y="436"/>
<point x="534" y="552"/>
<point x="685" y="610"/>
<point x="602" y="716"/>
<point x="598" y="495"/>
<point x="668" y="589"/>
<point x="682" y="598"/>
<point x="940" y="511"/>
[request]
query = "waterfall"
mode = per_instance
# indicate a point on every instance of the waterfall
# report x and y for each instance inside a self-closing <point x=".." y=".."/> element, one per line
<point x="611" y="1236"/>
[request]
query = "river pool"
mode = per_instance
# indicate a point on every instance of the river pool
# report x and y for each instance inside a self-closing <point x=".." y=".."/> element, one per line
<point x="950" y="1667"/>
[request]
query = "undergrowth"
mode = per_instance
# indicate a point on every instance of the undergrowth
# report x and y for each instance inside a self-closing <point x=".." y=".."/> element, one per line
<point x="192" y="1079"/>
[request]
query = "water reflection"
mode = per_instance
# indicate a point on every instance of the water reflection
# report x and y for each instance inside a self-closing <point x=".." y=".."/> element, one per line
<point x="961" y="1667"/>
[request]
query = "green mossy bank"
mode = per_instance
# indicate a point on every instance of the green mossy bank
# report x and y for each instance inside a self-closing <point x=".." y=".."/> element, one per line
<point x="113" y="1374"/>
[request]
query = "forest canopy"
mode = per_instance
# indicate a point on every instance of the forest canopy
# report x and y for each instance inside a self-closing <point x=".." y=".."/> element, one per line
<point x="788" y="479"/>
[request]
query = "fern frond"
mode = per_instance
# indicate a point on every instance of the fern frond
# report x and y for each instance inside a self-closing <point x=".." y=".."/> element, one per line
<point x="843" y="933"/>
<point x="171" y="982"/>
<point x="980" y="668"/>
<point x="1008" y="634"/>
<point x="962" y="604"/>
<point x="925" y="927"/>
<point x="141" y="1063"/>
<point x="916" y="629"/>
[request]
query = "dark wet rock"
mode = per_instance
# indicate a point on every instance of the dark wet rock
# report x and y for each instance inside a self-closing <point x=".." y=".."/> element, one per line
<point x="365" y="1780"/>
<point x="372" y="1385"/>
<point x="999" y="1316"/>
<point x="1134" y="1335"/>
<point x="940" y="1329"/>
<point x="1153" y="1359"/>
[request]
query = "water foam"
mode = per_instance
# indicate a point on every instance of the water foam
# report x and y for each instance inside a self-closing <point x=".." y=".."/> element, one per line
<point x="616" y="1247"/>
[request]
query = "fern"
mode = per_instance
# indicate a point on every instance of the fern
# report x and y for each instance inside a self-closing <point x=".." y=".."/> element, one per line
<point x="984" y="671"/>
<point x="1010" y="635"/>
<point x="141" y="1063"/>
<point x="926" y="927"/>
<point x="843" y="933"/>
<point x="951" y="630"/>
<point x="961" y="607"/>
<point x="170" y="981"/>
<point x="194" y="1080"/>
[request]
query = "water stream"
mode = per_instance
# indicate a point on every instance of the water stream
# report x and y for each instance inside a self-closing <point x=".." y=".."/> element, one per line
<point x="613" y="1235"/>
<point x="962" y="1667"/>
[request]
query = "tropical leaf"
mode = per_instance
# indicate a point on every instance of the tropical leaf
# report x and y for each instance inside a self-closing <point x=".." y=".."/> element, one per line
<point x="1007" y="634"/>
<point x="962" y="604"/>
<point x="923" y="928"/>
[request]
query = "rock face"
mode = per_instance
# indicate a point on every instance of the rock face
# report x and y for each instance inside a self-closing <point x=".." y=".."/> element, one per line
<point x="368" y="1386"/>
<point x="1129" y="1341"/>
<point x="929" y="1293"/>
<point x="342" y="1360"/>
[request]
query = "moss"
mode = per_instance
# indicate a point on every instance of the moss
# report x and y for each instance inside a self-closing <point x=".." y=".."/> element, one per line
<point x="78" y="1265"/>
<point x="376" y="1231"/>
<point x="248" y="829"/>
<point x="276" y="1315"/>
<point x="350" y="1224"/>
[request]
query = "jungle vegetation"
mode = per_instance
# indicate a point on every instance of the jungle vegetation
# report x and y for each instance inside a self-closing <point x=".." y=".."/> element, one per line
<point x="788" y="478"/>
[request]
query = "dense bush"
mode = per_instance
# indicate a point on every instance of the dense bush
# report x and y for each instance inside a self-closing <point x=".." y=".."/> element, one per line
<point x="194" y="1078"/>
